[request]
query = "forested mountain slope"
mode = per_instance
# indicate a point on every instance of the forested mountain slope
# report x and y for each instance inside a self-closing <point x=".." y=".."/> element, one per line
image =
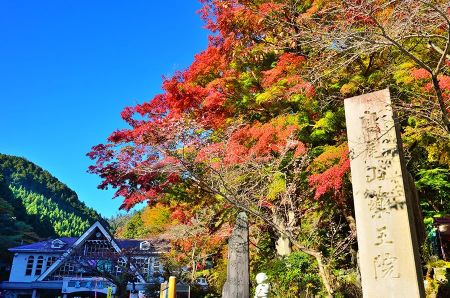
<point x="41" y="201"/>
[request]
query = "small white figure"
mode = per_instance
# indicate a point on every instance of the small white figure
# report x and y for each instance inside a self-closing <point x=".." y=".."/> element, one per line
<point x="263" y="287"/>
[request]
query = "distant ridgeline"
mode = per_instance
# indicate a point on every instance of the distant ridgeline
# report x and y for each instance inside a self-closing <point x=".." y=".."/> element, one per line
<point x="38" y="205"/>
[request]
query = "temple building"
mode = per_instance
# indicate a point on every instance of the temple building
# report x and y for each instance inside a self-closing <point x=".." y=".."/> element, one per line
<point x="87" y="266"/>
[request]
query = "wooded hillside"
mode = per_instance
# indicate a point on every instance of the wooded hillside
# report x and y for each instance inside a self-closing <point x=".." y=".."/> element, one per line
<point x="38" y="203"/>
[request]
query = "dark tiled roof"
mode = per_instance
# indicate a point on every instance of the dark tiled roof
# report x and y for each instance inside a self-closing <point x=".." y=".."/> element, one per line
<point x="156" y="244"/>
<point x="129" y="244"/>
<point x="45" y="246"/>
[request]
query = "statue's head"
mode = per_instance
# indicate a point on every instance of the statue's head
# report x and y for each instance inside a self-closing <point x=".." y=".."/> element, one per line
<point x="261" y="278"/>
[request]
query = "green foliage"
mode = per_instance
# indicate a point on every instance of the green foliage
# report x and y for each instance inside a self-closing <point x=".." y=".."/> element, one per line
<point x="12" y="230"/>
<point x="118" y="221"/>
<point x="437" y="180"/>
<point x="325" y="127"/>
<point x="348" y="284"/>
<point x="402" y="75"/>
<point x="437" y="278"/>
<point x="64" y="222"/>
<point x="434" y="188"/>
<point x="42" y="201"/>
<point x="353" y="85"/>
<point x="277" y="186"/>
<point x="135" y="227"/>
<point x="271" y="94"/>
<point x="19" y="172"/>
<point x="293" y="276"/>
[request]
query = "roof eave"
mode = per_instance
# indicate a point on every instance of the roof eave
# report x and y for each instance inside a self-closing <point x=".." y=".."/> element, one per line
<point x="35" y="250"/>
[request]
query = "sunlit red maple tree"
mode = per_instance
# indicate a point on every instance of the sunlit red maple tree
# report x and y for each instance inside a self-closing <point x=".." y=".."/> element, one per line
<point x="255" y="122"/>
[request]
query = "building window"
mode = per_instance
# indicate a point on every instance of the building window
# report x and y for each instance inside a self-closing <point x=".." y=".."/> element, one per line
<point x="50" y="261"/>
<point x="144" y="245"/>
<point x="156" y="266"/>
<point x="57" y="244"/>
<point x="142" y="265"/>
<point x="39" y="264"/>
<point x="67" y="269"/>
<point x="30" y="263"/>
<point x="121" y="264"/>
<point x="97" y="247"/>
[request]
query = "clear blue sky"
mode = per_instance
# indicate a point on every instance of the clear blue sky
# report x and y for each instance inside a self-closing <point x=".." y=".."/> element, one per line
<point x="68" y="68"/>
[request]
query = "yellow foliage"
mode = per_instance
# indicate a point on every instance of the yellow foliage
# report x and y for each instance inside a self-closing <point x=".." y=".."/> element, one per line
<point x="277" y="186"/>
<point x="403" y="73"/>
<point x="349" y="88"/>
<point x="329" y="158"/>
<point x="439" y="152"/>
<point x="156" y="218"/>
<point x="272" y="94"/>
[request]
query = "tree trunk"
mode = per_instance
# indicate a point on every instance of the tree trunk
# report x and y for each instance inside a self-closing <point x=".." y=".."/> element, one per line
<point x="322" y="269"/>
<point x="350" y="221"/>
<point x="324" y="274"/>
<point x="283" y="244"/>
<point x="441" y="101"/>
<point x="121" y="290"/>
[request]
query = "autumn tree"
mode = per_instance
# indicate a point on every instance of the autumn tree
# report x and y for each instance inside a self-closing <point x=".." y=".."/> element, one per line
<point x="238" y="124"/>
<point x="256" y="121"/>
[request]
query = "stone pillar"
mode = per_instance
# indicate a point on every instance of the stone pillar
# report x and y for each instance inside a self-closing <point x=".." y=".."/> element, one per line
<point x="237" y="284"/>
<point x="387" y="240"/>
<point x="34" y="294"/>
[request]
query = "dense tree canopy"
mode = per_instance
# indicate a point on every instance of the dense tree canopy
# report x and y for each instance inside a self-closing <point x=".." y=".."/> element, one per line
<point x="13" y="229"/>
<point x="256" y="122"/>
<point x="41" y="201"/>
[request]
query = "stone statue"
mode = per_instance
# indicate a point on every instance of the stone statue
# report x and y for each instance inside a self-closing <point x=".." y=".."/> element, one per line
<point x="263" y="287"/>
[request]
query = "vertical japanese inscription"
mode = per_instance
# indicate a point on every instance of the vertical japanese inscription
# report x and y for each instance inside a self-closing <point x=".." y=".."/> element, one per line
<point x="388" y="252"/>
<point x="386" y="266"/>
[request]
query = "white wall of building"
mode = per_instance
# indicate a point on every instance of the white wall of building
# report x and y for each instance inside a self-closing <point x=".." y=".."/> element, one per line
<point x="19" y="266"/>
